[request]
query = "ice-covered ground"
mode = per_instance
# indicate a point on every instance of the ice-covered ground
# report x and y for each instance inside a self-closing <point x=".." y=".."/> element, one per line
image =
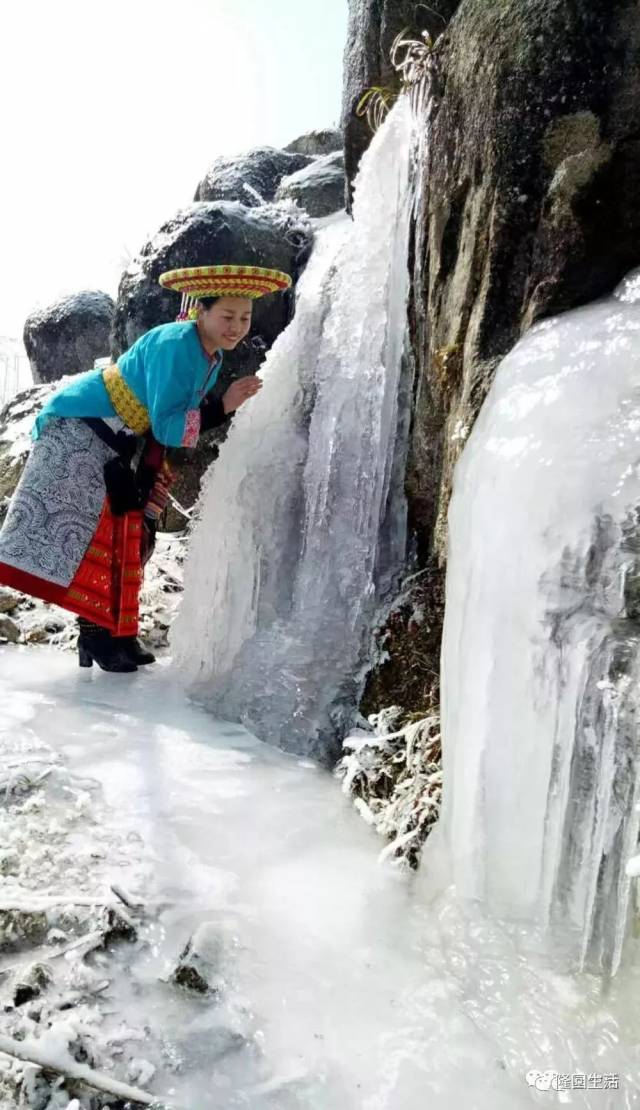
<point x="344" y="985"/>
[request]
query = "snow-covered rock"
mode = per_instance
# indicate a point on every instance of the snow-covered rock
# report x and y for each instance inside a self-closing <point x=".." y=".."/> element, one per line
<point x="9" y="630"/>
<point x="278" y="236"/>
<point x="317" y="143"/>
<point x="69" y="335"/>
<point x="319" y="188"/>
<point x="200" y="965"/>
<point x="251" y="178"/>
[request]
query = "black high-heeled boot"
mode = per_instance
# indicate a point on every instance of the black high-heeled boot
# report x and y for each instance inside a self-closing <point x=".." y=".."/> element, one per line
<point x="96" y="644"/>
<point x="136" y="651"/>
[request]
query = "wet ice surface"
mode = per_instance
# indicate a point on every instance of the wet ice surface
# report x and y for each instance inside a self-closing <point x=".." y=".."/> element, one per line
<point x="345" y="987"/>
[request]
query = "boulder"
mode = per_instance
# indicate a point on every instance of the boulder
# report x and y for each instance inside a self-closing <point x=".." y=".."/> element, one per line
<point x="319" y="187"/>
<point x="69" y="335"/>
<point x="203" y="233"/>
<point x="372" y="27"/>
<point x="317" y="143"/>
<point x="260" y="170"/>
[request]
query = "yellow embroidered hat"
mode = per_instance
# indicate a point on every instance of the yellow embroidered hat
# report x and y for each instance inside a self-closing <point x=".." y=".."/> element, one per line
<point x="221" y="281"/>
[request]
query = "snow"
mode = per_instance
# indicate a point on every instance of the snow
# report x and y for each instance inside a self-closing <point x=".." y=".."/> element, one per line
<point x="324" y="166"/>
<point x="15" y="438"/>
<point x="282" y="595"/>
<point x="346" y="984"/>
<point x="395" y="778"/>
<point x="541" y="668"/>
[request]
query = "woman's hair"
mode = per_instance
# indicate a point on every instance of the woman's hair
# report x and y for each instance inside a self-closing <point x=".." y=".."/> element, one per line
<point x="207" y="302"/>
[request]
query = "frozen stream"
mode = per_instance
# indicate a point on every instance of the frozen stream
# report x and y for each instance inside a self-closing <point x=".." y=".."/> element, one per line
<point x="351" y="988"/>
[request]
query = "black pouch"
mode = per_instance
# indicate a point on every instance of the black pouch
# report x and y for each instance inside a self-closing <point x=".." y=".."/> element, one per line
<point x="123" y="489"/>
<point x="124" y="492"/>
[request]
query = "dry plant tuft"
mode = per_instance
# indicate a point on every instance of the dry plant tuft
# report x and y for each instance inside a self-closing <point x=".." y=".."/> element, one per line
<point x="375" y="103"/>
<point x="415" y="60"/>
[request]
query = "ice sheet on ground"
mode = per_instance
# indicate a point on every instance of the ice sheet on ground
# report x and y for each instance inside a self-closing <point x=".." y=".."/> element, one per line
<point x="345" y="986"/>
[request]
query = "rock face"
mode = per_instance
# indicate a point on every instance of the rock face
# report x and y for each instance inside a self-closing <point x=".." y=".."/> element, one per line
<point x="261" y="170"/>
<point x="317" y="142"/>
<point x="529" y="207"/>
<point x="69" y="335"/>
<point x="531" y="186"/>
<point x="318" y="188"/>
<point x="373" y="25"/>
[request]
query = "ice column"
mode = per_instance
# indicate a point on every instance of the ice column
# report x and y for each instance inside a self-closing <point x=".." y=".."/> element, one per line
<point x="541" y="663"/>
<point x="297" y="526"/>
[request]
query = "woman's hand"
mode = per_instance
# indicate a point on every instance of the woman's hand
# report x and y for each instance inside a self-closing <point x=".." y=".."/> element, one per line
<point x="240" y="391"/>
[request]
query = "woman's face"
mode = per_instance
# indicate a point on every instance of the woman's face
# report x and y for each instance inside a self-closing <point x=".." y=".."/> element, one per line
<point x="226" y="322"/>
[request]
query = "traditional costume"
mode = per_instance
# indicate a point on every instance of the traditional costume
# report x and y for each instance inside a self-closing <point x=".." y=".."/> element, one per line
<point x="82" y="520"/>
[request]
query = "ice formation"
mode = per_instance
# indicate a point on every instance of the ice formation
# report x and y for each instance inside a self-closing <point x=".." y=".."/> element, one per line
<point x="541" y="662"/>
<point x="297" y="533"/>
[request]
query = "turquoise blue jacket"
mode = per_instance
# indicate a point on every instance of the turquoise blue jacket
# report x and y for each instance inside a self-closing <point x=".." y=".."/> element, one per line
<point x="166" y="368"/>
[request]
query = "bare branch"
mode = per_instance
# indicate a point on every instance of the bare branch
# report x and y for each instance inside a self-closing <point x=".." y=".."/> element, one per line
<point x="30" y="1052"/>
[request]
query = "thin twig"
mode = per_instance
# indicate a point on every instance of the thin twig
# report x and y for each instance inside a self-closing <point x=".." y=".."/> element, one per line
<point x="135" y="907"/>
<point x="89" y="941"/>
<point x="49" y="902"/>
<point x="186" y="513"/>
<point x="31" y="1053"/>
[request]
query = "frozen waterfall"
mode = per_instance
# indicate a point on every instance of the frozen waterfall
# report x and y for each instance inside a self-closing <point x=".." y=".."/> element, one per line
<point x="541" y="653"/>
<point x="301" y="520"/>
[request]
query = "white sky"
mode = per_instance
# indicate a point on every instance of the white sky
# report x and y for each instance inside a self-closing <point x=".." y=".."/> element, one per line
<point x="112" y="113"/>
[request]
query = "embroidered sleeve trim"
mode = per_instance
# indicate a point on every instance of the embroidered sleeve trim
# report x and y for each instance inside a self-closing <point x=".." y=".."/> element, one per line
<point x="191" y="428"/>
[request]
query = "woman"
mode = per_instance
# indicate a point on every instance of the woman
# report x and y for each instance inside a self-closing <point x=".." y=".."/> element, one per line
<point x="82" y="521"/>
